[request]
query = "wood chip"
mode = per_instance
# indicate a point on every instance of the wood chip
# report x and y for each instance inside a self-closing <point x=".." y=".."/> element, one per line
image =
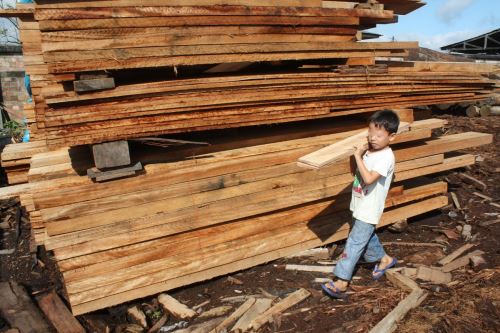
<point x="137" y="316"/>
<point x="467" y="232"/>
<point x="477" y="261"/>
<point x="239" y="299"/>
<point x="488" y="223"/>
<point x="471" y="180"/>
<point x="216" y="312"/>
<point x="433" y="275"/>
<point x="260" y="306"/>
<point x="233" y="280"/>
<point x="322" y="280"/>
<point x="485" y="197"/>
<point x="450" y="233"/>
<point x="202" y="327"/>
<point x="409" y="272"/>
<point x="417" y="296"/>
<point x="460" y="262"/>
<point x="196" y="307"/>
<point x="176" y="308"/>
<point x="455" y="200"/>
<point x="411" y="244"/>
<point x="222" y="327"/>
<point x="292" y="299"/>
<point x="318" y="253"/>
<point x="327" y="262"/>
<point x="455" y="254"/>
<point x="267" y="294"/>
<point x="309" y="268"/>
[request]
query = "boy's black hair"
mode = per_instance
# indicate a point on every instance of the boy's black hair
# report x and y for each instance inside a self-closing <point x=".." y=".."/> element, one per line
<point x="386" y="119"/>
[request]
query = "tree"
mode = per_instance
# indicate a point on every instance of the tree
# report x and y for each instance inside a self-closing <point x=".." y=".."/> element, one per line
<point x="9" y="27"/>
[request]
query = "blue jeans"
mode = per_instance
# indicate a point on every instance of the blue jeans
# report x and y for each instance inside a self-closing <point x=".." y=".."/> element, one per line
<point x="362" y="240"/>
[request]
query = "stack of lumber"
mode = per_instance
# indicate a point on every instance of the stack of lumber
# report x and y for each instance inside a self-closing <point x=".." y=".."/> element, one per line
<point x="16" y="160"/>
<point x="35" y="67"/>
<point x="67" y="41"/>
<point x="168" y="107"/>
<point x="215" y="213"/>
<point x="97" y="35"/>
<point x="36" y="134"/>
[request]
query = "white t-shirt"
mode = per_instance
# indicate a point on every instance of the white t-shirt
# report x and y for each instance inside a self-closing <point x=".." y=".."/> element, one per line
<point x="367" y="201"/>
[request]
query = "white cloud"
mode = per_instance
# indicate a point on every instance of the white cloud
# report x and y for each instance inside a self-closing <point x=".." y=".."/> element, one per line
<point x="432" y="42"/>
<point x="451" y="10"/>
<point x="436" y="41"/>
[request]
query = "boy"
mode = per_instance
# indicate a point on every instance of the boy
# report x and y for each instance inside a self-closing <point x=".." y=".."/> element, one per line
<point x="375" y="168"/>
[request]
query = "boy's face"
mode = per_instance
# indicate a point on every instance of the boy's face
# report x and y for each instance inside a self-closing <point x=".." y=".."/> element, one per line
<point x="378" y="137"/>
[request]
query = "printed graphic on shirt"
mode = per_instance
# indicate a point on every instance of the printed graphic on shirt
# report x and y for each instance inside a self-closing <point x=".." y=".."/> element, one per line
<point x="357" y="186"/>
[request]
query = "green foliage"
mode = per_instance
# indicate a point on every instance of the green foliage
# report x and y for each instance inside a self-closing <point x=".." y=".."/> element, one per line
<point x="155" y="315"/>
<point x="14" y="129"/>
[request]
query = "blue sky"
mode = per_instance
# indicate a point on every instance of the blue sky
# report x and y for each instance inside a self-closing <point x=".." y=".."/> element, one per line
<point x="442" y="22"/>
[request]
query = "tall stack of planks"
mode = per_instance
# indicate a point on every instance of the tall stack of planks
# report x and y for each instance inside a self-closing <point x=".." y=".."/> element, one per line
<point x="68" y="41"/>
<point x="196" y="213"/>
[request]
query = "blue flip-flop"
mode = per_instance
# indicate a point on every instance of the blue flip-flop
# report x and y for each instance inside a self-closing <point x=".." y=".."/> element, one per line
<point x="378" y="273"/>
<point x="333" y="292"/>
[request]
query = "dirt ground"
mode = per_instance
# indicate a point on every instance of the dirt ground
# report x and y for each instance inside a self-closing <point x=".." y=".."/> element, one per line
<point x="470" y="303"/>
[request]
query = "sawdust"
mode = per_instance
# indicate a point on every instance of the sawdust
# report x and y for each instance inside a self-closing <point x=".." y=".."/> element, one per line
<point x="471" y="306"/>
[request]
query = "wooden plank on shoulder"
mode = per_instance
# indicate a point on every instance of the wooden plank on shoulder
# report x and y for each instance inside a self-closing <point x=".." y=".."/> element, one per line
<point x="339" y="150"/>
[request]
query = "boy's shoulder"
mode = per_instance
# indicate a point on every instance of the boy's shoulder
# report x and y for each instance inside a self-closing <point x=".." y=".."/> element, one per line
<point x="382" y="154"/>
<point x="384" y="157"/>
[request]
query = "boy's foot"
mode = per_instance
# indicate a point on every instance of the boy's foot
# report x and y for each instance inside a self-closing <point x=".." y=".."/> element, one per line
<point x="335" y="289"/>
<point x="380" y="269"/>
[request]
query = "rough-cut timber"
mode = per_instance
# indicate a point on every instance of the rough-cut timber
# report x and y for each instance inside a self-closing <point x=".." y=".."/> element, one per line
<point x="64" y="39"/>
<point x="205" y="211"/>
<point x="235" y="101"/>
<point x="109" y="253"/>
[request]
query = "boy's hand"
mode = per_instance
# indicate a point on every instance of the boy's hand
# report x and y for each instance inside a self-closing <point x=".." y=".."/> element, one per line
<point x="360" y="150"/>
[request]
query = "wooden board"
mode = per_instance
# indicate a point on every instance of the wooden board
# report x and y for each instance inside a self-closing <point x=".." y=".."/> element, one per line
<point x="339" y="150"/>
<point x="59" y="315"/>
<point x="237" y="265"/>
<point x="19" y="311"/>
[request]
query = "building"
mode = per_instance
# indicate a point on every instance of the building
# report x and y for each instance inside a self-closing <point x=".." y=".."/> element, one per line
<point x="13" y="91"/>
<point x="483" y="47"/>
